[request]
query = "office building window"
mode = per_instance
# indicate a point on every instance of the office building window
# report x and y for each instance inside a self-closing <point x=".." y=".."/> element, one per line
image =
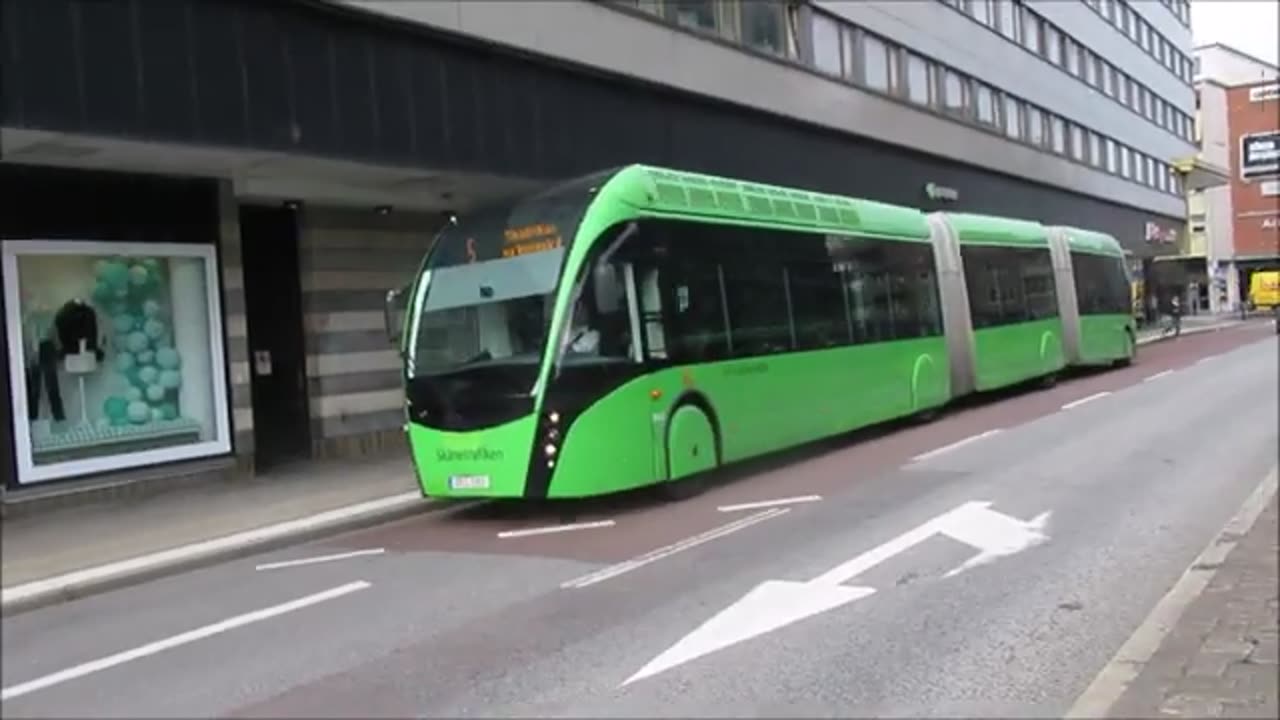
<point x="1035" y="126"/>
<point x="826" y="44"/>
<point x="917" y="79"/>
<point x="696" y="14"/>
<point x="1140" y="167"/>
<point x="1153" y="168"/>
<point x="1095" y="149"/>
<point x="1090" y="68"/>
<point x="875" y="63"/>
<point x="1113" y="160"/>
<point x="1072" y="52"/>
<point x="953" y="92"/>
<point x="1013" y="117"/>
<point x="1058" y="134"/>
<point x="986" y="101"/>
<point x="1052" y="44"/>
<point x="1030" y="30"/>
<point x="1126" y="164"/>
<point x="981" y="11"/>
<point x="1108" y="79"/>
<point x="1077" y="143"/>
<point x="764" y="25"/>
<point x="1006" y="14"/>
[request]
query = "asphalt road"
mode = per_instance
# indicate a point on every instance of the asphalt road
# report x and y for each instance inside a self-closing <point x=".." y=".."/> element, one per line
<point x="1096" y="509"/>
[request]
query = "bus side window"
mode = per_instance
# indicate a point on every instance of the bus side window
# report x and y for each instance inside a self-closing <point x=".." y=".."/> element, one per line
<point x="650" y="294"/>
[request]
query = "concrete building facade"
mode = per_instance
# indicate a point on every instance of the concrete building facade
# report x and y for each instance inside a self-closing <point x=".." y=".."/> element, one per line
<point x="267" y="171"/>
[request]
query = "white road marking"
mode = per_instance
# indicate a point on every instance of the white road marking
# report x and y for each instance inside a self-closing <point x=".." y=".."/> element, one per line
<point x="1157" y="376"/>
<point x="652" y="556"/>
<point x="177" y="640"/>
<point x="954" y="445"/>
<point x="774" y="604"/>
<point x="556" y="529"/>
<point x="205" y="548"/>
<point x="1204" y="360"/>
<point x="769" y="503"/>
<point x="1083" y="400"/>
<point x="319" y="559"/>
<point x="1098" y="699"/>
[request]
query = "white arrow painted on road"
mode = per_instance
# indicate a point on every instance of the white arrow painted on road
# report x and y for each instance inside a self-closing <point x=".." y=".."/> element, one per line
<point x="777" y="603"/>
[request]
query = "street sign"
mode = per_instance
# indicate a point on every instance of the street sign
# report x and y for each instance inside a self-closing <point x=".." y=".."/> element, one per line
<point x="1259" y="154"/>
<point x="774" y="604"/>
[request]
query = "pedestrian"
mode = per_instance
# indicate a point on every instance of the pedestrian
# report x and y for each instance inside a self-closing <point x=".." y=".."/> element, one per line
<point x="1175" y="315"/>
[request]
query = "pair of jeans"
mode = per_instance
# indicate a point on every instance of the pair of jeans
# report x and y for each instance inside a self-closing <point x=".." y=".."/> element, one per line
<point x="44" y="367"/>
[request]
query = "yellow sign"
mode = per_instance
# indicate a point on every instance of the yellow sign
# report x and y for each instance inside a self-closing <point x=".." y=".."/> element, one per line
<point x="527" y="239"/>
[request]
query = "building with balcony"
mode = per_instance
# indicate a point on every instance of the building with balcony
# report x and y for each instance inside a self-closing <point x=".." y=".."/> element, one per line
<point x="264" y="172"/>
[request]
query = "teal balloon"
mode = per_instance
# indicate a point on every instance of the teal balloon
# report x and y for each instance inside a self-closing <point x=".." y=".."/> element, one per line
<point x="139" y="275"/>
<point x="156" y="414"/>
<point x="169" y="411"/>
<point x="148" y="374"/>
<point x="115" y="274"/>
<point x="132" y="375"/>
<point x="168" y="359"/>
<point x="154" y="329"/>
<point x="115" y="408"/>
<point x="139" y="412"/>
<point x="170" y="379"/>
<point x="138" y="341"/>
<point x="123" y="323"/>
<point x="151" y="309"/>
<point x="102" y="293"/>
<point x="133" y="394"/>
<point x="155" y="393"/>
<point x="146" y="357"/>
<point x="125" y="361"/>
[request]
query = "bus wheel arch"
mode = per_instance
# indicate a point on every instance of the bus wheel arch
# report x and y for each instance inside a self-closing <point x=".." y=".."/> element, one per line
<point x="691" y="424"/>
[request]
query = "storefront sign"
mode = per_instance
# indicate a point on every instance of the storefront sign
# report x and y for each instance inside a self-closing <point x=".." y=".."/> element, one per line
<point x="1259" y="154"/>
<point x="1270" y="223"/>
<point x="942" y="193"/>
<point x="1269" y="188"/>
<point x="1263" y="93"/>
<point x="1155" y="234"/>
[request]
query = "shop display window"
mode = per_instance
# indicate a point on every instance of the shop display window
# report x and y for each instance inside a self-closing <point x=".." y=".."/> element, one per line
<point x="115" y="355"/>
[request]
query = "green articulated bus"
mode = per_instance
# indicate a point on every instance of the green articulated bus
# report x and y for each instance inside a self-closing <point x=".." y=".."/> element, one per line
<point x="643" y="325"/>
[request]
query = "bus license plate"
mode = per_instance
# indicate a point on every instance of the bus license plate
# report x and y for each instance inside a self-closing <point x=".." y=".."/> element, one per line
<point x="469" y="482"/>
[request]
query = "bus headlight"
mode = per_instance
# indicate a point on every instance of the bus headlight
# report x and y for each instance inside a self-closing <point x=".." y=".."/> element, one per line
<point x="554" y="417"/>
<point x="550" y="449"/>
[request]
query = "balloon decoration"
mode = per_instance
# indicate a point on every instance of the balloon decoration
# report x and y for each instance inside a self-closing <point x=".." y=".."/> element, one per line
<point x="132" y="290"/>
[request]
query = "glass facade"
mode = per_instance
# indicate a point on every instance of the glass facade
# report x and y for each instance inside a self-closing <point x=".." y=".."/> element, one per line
<point x="115" y="356"/>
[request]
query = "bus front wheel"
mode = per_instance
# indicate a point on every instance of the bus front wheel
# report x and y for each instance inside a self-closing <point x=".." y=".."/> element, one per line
<point x="692" y="451"/>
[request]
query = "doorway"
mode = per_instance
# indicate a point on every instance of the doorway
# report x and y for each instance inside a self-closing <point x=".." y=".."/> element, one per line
<point x="277" y="350"/>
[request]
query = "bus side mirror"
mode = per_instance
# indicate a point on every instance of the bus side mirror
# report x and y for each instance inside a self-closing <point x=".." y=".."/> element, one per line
<point x="393" y="311"/>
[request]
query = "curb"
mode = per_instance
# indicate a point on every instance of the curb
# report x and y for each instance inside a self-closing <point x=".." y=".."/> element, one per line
<point x="115" y="575"/>
<point x="1151" y="339"/>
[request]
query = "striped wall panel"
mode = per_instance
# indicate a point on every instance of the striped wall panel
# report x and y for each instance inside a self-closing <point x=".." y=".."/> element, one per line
<point x="232" y="271"/>
<point x="350" y="259"/>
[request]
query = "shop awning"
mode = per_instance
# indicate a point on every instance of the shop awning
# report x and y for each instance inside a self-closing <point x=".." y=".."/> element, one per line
<point x="1200" y="175"/>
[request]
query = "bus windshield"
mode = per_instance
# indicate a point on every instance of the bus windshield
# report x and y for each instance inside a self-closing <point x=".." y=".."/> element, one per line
<point x="486" y="294"/>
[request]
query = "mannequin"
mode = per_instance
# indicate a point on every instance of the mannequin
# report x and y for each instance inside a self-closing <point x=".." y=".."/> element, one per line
<point x="42" y="361"/>
<point x="77" y="325"/>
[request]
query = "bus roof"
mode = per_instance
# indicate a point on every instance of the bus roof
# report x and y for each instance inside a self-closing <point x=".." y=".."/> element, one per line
<point x="676" y="192"/>
<point x="991" y="230"/>
<point x="1091" y="241"/>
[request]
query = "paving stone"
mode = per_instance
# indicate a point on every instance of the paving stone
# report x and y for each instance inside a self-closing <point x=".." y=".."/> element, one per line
<point x="1220" y="659"/>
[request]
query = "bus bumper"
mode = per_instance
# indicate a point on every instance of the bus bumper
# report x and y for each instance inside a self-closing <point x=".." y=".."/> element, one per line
<point x="477" y="463"/>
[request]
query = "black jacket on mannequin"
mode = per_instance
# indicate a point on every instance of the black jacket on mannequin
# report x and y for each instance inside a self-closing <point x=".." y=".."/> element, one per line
<point x="77" y="321"/>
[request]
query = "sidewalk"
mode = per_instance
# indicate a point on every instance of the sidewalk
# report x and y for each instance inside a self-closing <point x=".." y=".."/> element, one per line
<point x="1220" y="658"/>
<point x="75" y="550"/>
<point x="1191" y="325"/>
